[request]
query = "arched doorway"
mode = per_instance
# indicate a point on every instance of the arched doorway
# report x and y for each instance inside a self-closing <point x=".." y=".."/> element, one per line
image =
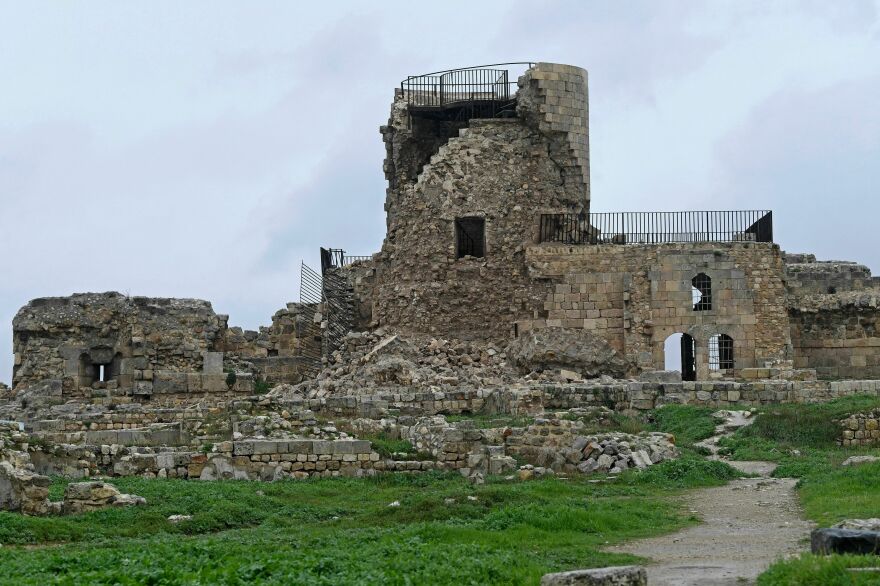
<point x="679" y="352"/>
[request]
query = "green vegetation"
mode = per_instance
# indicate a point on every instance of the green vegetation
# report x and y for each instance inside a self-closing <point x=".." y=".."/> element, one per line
<point x="687" y="423"/>
<point x="802" y="440"/>
<point x="398" y="449"/>
<point x="261" y="387"/>
<point x="490" y="421"/>
<point x="596" y="423"/>
<point x="334" y="531"/>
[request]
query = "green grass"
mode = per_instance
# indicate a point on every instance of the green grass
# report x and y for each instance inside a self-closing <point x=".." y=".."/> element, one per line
<point x="810" y="570"/>
<point x="689" y="424"/>
<point x="491" y="421"/>
<point x="801" y="439"/>
<point x="342" y="531"/>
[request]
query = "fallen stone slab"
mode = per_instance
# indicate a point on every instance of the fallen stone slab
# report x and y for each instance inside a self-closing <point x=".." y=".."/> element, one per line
<point x="80" y="497"/>
<point x="610" y="576"/>
<point x="857" y="460"/>
<point x="831" y="540"/>
<point x="872" y="524"/>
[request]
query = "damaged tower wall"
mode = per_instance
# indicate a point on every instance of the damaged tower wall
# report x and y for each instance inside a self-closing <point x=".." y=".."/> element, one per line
<point x="505" y="171"/>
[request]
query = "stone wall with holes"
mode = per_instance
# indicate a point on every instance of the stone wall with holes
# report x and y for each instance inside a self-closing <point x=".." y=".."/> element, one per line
<point x="636" y="296"/>
<point x="150" y="347"/>
<point x="838" y="334"/>
<point x="506" y="171"/>
<point x="133" y="338"/>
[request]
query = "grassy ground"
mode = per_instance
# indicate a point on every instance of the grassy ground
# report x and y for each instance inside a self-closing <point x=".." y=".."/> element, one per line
<point x="343" y="531"/>
<point x="801" y="439"/>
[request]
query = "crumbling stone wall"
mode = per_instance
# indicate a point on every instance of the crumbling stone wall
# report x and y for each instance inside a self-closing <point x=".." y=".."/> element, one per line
<point x="861" y="429"/>
<point x="133" y="338"/>
<point x="838" y="335"/>
<point x="805" y="275"/>
<point x="151" y="346"/>
<point x="505" y="171"/>
<point x="636" y="296"/>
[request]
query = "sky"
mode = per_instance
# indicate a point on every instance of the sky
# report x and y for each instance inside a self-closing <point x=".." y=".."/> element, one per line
<point x="206" y="149"/>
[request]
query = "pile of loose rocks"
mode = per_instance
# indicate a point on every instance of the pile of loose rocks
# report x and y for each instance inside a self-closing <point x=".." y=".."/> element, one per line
<point x="368" y="361"/>
<point x="566" y="446"/>
<point x="23" y="490"/>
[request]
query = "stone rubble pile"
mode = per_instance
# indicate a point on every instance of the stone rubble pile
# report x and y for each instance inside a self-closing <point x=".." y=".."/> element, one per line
<point x="82" y="497"/>
<point x="566" y="446"/>
<point x="286" y="424"/>
<point x="25" y="491"/>
<point x="368" y="361"/>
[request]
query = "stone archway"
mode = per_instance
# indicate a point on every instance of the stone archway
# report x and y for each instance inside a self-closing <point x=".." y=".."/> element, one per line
<point x="680" y="354"/>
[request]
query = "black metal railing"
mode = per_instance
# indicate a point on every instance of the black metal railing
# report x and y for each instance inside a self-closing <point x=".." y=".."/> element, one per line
<point x="494" y="83"/>
<point x="336" y="258"/>
<point x="311" y="295"/>
<point x="657" y="227"/>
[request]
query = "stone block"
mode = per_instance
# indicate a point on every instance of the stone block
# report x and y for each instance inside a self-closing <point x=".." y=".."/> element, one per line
<point x="212" y="363"/>
<point x="611" y="576"/>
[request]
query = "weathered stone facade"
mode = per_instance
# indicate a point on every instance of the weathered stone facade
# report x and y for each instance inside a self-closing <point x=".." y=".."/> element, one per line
<point x="502" y="171"/>
<point x="507" y="172"/>
<point x="98" y="345"/>
<point x="636" y="296"/>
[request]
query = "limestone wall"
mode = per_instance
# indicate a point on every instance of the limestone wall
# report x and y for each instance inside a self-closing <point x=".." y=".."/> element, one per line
<point x="171" y="348"/>
<point x="838" y="335"/>
<point x="861" y="429"/>
<point x="505" y="171"/>
<point x="69" y="338"/>
<point x="805" y="275"/>
<point x="638" y="295"/>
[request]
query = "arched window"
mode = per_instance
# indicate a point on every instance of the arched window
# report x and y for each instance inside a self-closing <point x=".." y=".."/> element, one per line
<point x="720" y="352"/>
<point x="701" y="292"/>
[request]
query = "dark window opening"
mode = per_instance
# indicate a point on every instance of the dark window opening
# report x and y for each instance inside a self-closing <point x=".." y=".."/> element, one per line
<point x="701" y="289"/>
<point x="470" y="237"/>
<point x="720" y="352"/>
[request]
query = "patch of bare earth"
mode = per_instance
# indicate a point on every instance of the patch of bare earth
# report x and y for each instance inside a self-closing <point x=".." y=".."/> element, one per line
<point x="746" y="525"/>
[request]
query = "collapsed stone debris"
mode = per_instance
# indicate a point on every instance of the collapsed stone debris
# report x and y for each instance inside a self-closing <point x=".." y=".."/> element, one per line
<point x="492" y="334"/>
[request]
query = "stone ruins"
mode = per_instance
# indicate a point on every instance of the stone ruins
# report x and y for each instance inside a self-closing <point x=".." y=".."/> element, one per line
<point x="497" y="330"/>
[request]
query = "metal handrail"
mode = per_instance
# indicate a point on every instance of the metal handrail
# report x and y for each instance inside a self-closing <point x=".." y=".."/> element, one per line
<point x="657" y="227"/>
<point x="470" y="85"/>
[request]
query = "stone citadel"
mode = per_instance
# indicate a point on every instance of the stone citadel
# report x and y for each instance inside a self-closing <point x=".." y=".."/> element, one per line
<point x="496" y="292"/>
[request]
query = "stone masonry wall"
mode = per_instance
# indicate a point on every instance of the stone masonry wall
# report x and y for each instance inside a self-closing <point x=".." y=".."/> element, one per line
<point x="861" y="429"/>
<point x="638" y="295"/>
<point x="133" y="337"/>
<point x="838" y="335"/>
<point x="502" y="170"/>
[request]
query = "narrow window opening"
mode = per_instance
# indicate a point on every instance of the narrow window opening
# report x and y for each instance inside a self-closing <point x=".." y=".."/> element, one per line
<point x="720" y="352"/>
<point x="701" y="292"/>
<point x="102" y="373"/>
<point x="470" y="237"/>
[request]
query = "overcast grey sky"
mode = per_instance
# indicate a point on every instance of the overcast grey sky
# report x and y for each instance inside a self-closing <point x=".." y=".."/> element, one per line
<point x="202" y="149"/>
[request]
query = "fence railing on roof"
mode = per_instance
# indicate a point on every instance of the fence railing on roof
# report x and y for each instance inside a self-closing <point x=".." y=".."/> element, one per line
<point x="494" y="83"/>
<point x="657" y="227"/>
<point x="336" y="258"/>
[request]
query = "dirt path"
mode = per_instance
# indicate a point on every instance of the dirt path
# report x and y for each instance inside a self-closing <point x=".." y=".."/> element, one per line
<point x="747" y="524"/>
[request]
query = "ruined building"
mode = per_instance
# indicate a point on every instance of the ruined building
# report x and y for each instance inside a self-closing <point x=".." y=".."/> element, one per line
<point x="490" y="237"/>
<point x="496" y="291"/>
